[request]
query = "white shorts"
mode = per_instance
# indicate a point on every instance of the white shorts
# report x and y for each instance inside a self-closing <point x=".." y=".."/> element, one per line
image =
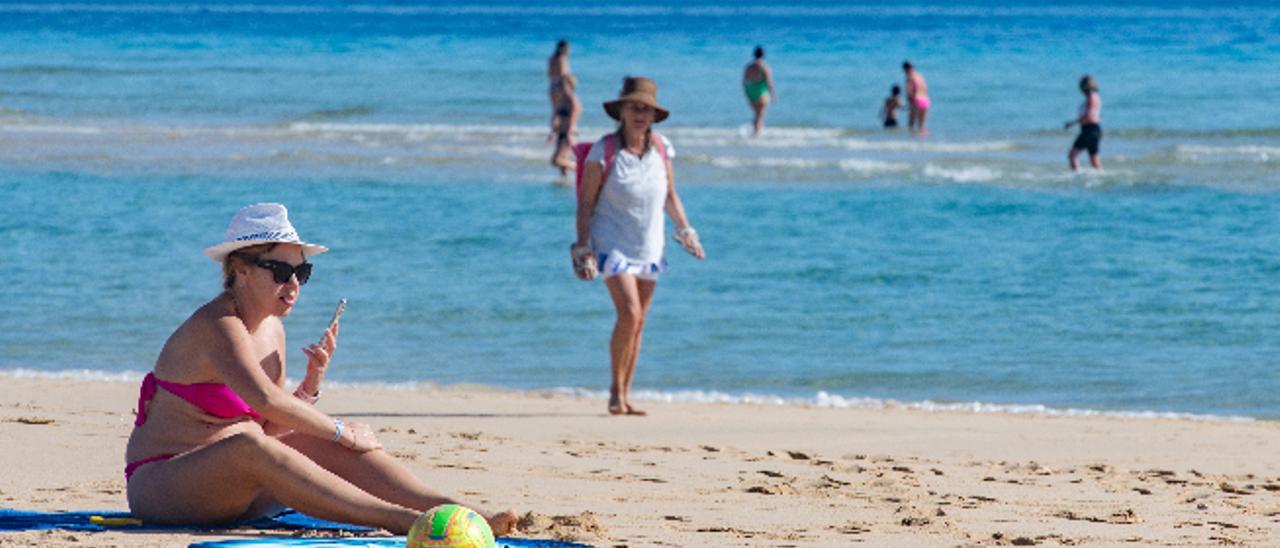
<point x="614" y="263"/>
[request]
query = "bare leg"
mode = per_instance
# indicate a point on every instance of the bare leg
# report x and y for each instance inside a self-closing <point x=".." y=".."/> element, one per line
<point x="1072" y="161"/>
<point x="913" y="114"/>
<point x="645" y="288"/>
<point x="380" y="475"/>
<point x="759" y="107"/>
<point x="1095" y="160"/>
<point x="924" y="113"/>
<point x="626" y="302"/>
<point x="223" y="481"/>
<point x="558" y="160"/>
<point x="564" y="158"/>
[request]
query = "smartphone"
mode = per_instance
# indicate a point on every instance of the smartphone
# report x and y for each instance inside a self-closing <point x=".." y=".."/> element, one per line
<point x="337" y="312"/>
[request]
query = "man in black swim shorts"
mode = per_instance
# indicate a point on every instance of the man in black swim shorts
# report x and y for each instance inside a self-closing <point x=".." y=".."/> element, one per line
<point x="1090" y="120"/>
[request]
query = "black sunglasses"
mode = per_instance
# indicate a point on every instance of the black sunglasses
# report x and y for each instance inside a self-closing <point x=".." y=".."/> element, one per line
<point x="281" y="272"/>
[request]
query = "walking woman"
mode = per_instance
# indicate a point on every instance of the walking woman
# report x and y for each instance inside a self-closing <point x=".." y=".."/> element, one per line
<point x="564" y="125"/>
<point x="757" y="85"/>
<point x="218" y="438"/>
<point x="626" y="185"/>
<point x="557" y="69"/>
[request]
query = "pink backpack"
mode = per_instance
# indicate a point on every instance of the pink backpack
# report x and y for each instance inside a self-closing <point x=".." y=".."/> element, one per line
<point x="581" y="150"/>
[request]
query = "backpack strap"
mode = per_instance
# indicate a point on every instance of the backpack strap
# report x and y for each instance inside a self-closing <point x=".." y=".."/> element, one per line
<point x="662" y="145"/>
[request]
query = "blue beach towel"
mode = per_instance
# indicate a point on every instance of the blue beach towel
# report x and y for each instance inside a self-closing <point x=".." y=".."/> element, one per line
<point x="20" y="520"/>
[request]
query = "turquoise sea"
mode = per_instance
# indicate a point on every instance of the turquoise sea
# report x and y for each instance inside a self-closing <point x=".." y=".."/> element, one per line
<point x="848" y="266"/>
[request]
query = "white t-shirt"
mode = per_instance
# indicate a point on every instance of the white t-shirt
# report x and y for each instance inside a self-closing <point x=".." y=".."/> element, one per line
<point x="628" y="213"/>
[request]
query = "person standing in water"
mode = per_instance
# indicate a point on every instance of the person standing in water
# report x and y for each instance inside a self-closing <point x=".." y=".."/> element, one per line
<point x="917" y="99"/>
<point x="889" y="111"/>
<point x="557" y="69"/>
<point x="1090" y="120"/>
<point x="757" y="83"/>
<point x="564" y="124"/>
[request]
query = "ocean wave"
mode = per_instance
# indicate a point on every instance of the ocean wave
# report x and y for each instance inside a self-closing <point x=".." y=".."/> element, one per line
<point x="820" y="399"/>
<point x="825" y="399"/>
<point x="323" y="122"/>
<point x="1164" y="133"/>
<point x="1257" y="153"/>
<point x="930" y="146"/>
<point x="25" y="127"/>
<point x="831" y="138"/>
<point x="866" y="166"/>
<point x="851" y="165"/>
<point x="408" y="129"/>
<point x="964" y="174"/>
<point x="75" y="374"/>
<point x="506" y="152"/>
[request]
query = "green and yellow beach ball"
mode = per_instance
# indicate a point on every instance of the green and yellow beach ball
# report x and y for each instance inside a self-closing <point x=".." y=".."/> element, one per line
<point x="451" y="526"/>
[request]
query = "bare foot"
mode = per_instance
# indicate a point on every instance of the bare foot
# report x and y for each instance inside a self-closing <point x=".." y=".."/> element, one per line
<point x="503" y="523"/>
<point x="636" y="412"/>
<point x="616" y="407"/>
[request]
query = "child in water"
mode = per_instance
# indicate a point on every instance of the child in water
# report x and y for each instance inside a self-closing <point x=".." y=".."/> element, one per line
<point x="889" y="111"/>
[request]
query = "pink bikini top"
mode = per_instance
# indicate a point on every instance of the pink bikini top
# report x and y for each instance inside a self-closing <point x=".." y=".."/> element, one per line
<point x="213" y="398"/>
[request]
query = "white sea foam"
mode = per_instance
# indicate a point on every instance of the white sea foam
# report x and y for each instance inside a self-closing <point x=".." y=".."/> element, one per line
<point x="966" y="174"/>
<point x="820" y="399"/>
<point x="781" y="138"/>
<point x="51" y="129"/>
<point x="75" y="374"/>
<point x="860" y="166"/>
<point x="430" y="129"/>
<point x="929" y="146"/>
<point x="1258" y="153"/>
<point x="825" y="399"/>
<point x="863" y="165"/>
<point x="810" y="138"/>
<point x="508" y="151"/>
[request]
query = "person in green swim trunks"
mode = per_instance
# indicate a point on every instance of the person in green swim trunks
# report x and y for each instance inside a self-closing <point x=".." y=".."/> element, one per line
<point x="757" y="83"/>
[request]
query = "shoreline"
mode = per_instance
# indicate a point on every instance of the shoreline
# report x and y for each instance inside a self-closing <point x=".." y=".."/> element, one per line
<point x="725" y="474"/>
<point x="820" y="400"/>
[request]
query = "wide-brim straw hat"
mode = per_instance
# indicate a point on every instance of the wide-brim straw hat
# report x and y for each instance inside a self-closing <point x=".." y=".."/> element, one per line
<point x="641" y="90"/>
<point x="260" y="224"/>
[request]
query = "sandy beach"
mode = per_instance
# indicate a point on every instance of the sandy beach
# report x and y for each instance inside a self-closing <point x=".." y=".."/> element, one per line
<point x="725" y="475"/>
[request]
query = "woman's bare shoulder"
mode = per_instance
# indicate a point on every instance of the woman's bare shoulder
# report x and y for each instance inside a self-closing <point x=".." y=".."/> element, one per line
<point x="184" y="356"/>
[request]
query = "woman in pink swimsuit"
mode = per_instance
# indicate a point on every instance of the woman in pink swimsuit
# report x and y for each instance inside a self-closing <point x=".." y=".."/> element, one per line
<point x="219" y="439"/>
<point x="917" y="99"/>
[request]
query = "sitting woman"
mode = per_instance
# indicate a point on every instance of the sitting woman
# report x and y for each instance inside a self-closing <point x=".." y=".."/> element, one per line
<point x="218" y="439"/>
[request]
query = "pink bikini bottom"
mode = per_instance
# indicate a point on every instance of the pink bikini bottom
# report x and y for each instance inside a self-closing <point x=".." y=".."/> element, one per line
<point x="133" y="466"/>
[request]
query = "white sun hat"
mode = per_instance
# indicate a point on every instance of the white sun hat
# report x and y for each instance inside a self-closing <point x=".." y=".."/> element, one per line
<point x="260" y="224"/>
